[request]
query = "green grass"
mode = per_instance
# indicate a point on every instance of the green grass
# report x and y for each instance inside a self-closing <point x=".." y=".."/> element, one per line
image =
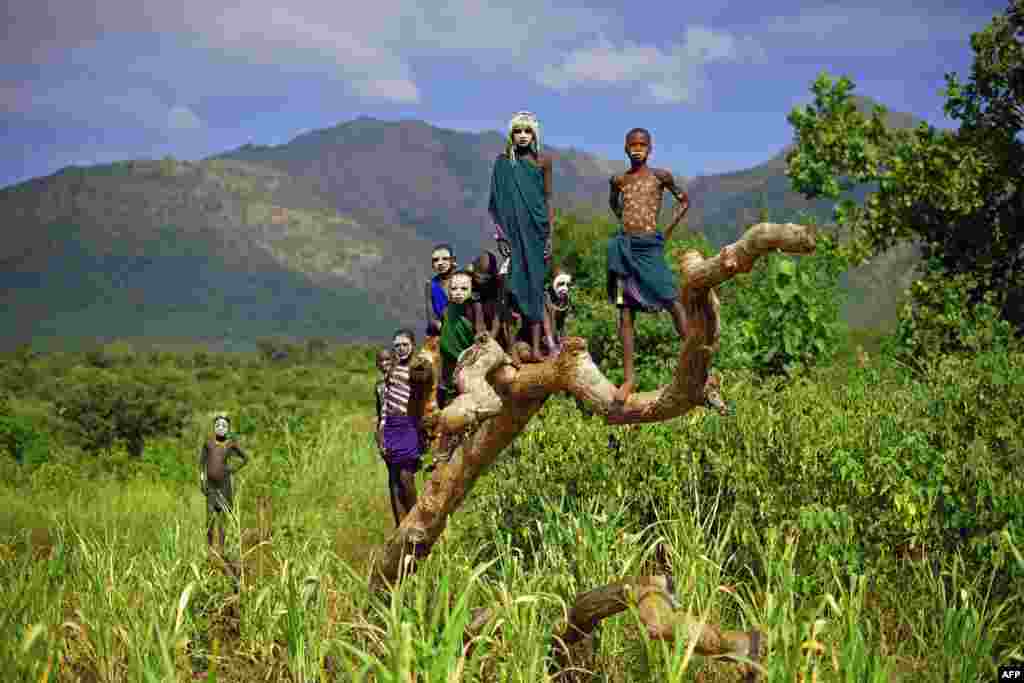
<point x="107" y="577"/>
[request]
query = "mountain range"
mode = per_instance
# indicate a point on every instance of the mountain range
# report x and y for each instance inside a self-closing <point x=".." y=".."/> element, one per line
<point x="326" y="236"/>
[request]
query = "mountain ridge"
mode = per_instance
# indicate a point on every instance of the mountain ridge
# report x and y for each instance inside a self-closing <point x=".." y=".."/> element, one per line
<point x="331" y="230"/>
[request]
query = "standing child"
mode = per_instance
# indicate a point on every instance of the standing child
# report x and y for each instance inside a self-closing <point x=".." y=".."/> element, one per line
<point x="400" y="432"/>
<point x="638" y="277"/>
<point x="520" y="207"/>
<point x="463" y="320"/>
<point x="215" y="477"/>
<point x="557" y="307"/>
<point x="442" y="262"/>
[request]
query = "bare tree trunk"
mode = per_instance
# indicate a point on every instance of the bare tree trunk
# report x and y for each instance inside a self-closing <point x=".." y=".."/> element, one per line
<point x="498" y="399"/>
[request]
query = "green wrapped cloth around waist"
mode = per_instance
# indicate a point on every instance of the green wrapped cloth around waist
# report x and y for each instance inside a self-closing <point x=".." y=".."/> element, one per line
<point x="640" y="259"/>
<point x="457" y="332"/>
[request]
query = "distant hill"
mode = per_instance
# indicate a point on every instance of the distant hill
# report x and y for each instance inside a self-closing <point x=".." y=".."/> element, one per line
<point x="220" y="251"/>
<point x="326" y="235"/>
<point x="433" y="180"/>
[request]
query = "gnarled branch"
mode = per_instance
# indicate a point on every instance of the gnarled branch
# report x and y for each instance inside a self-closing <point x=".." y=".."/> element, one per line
<point x="487" y="373"/>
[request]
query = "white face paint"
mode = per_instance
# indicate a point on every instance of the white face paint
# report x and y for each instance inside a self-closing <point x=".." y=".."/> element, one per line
<point x="561" y="285"/>
<point x="441" y="261"/>
<point x="460" y="288"/>
<point x="403" y="347"/>
<point x="522" y="136"/>
<point x="220" y="426"/>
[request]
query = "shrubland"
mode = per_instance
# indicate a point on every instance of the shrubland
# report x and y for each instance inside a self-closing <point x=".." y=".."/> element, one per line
<point x="863" y="503"/>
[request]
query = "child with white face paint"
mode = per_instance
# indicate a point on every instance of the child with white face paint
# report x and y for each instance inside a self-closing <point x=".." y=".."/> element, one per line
<point x="401" y="438"/>
<point x="442" y="262"/>
<point x="215" y="477"/>
<point x="463" y="320"/>
<point x="557" y="307"/>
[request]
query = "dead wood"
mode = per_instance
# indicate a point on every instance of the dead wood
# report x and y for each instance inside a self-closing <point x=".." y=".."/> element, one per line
<point x="501" y="398"/>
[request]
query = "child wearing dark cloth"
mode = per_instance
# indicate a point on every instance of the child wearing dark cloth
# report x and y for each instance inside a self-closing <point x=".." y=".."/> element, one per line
<point x="639" y="279"/>
<point x="215" y="477"/>
<point x="463" y="320"/>
<point x="400" y="434"/>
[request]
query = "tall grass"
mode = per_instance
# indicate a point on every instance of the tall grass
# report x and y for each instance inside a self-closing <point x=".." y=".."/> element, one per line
<point x="110" y="580"/>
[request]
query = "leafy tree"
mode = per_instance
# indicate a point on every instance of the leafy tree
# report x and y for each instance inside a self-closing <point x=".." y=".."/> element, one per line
<point x="957" y="192"/>
<point x="104" y="408"/>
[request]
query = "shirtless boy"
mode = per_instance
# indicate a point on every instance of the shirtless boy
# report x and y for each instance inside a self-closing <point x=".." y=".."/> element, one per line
<point x="639" y="279"/>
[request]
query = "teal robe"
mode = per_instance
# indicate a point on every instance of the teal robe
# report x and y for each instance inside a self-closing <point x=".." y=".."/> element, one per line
<point x="518" y="205"/>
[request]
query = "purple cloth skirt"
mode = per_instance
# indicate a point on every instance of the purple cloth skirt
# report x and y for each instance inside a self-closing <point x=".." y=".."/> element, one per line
<point x="402" y="442"/>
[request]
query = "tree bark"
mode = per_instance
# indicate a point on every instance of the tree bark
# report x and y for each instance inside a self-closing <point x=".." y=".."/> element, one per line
<point x="658" y="611"/>
<point x="499" y="398"/>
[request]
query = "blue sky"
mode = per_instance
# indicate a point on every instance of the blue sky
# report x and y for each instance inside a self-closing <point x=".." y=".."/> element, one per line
<point x="92" y="81"/>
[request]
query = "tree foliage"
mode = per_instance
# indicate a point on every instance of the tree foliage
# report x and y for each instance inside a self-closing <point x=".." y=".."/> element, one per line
<point x="103" y="408"/>
<point x="957" y="192"/>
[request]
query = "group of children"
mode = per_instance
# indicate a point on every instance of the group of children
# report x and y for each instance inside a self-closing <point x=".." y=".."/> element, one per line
<point x="491" y="295"/>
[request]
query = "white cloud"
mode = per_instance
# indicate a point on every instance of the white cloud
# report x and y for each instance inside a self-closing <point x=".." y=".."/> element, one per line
<point x="183" y="118"/>
<point x="672" y="76"/>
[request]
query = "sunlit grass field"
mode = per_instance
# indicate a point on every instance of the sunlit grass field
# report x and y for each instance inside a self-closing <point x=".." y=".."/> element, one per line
<point x="108" y="578"/>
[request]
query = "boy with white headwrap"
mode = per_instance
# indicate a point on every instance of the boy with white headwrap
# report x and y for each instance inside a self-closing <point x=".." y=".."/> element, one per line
<point x="520" y="206"/>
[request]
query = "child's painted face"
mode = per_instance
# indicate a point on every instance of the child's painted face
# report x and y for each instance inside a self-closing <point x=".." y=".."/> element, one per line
<point x="522" y="136"/>
<point x="383" y="361"/>
<point x="638" y="147"/>
<point x="441" y="261"/>
<point x="220" y="426"/>
<point x="402" y="346"/>
<point x="561" y="285"/>
<point x="460" y="288"/>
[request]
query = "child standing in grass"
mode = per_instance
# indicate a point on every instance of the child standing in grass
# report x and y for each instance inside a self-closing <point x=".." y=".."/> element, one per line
<point x="215" y="477"/>
<point x="400" y="433"/>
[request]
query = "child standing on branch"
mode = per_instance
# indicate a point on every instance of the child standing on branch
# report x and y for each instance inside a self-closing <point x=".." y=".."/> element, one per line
<point x="639" y="279"/>
<point x="442" y="262"/>
<point x="520" y="207"/>
<point x="463" y="320"/>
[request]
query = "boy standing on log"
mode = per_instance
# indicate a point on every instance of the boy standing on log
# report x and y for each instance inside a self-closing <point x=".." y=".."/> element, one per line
<point x="520" y="207"/>
<point x="215" y="477"/>
<point x="639" y="279"/>
<point x="442" y="262"/>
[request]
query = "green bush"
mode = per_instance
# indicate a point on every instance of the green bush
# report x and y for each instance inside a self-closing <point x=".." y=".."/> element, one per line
<point x="784" y="316"/>
<point x="858" y="469"/>
<point x="949" y="313"/>
<point x="104" y="408"/>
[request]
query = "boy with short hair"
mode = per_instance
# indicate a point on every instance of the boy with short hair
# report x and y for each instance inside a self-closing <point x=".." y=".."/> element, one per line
<point x="639" y="279"/>
<point x="442" y="262"/>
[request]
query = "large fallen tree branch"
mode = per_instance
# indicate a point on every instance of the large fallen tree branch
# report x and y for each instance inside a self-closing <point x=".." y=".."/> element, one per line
<point x="500" y="398"/>
<point x="658" y="611"/>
